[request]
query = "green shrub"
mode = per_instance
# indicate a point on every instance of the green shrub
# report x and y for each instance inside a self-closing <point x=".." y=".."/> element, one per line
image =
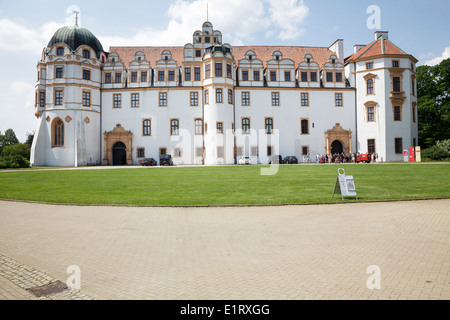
<point x="3" y="165"/>
<point x="434" y="153"/>
<point x="14" y="165"/>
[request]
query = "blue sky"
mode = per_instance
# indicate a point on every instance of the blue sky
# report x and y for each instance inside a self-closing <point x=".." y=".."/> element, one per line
<point x="419" y="27"/>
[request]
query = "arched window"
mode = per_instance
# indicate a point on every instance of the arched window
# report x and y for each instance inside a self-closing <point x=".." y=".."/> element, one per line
<point x="370" y="86"/>
<point x="245" y="125"/>
<point x="58" y="133"/>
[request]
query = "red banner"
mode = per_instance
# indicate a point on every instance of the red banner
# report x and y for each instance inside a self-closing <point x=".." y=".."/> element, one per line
<point x="411" y="154"/>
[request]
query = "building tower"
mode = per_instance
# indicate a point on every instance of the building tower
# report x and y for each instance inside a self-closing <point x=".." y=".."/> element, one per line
<point x="68" y="100"/>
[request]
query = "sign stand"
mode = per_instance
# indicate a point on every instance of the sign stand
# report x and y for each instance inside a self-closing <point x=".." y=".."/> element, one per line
<point x="345" y="185"/>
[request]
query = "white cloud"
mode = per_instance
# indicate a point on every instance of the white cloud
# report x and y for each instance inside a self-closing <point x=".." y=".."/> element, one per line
<point x="17" y="38"/>
<point x="239" y="21"/>
<point x="437" y="60"/>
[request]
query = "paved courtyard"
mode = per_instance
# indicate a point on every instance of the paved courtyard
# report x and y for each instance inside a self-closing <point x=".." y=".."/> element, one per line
<point x="287" y="252"/>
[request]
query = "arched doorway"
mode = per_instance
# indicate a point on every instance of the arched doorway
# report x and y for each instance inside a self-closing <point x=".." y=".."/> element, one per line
<point x="336" y="147"/>
<point x="119" y="154"/>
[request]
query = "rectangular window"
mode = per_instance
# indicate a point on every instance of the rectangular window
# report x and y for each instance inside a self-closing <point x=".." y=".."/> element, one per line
<point x="273" y="76"/>
<point x="338" y="97"/>
<point x="199" y="152"/>
<point x="219" y="96"/>
<point x="275" y="98"/>
<point x="118" y="77"/>
<point x="287" y="76"/>
<point x="396" y="84"/>
<point x="245" y="75"/>
<point x="371" y="146"/>
<point x="208" y="71"/>
<point x="197" y="73"/>
<point x="370" y="114"/>
<point x="144" y="76"/>
<point x="269" y="151"/>
<point x="338" y="76"/>
<point x="256" y="75"/>
<point x="229" y="71"/>
<point x="198" y="53"/>
<point x="397" y="113"/>
<point x="245" y="98"/>
<point x="59" y="95"/>
<point x="329" y="76"/>
<point x="176" y="152"/>
<point x="171" y="75"/>
<point x="220" y="152"/>
<point x="160" y="75"/>
<point x="163" y="99"/>
<point x="60" y="51"/>
<point x="245" y="125"/>
<point x="305" y="150"/>
<point x="304" y="126"/>
<point x="187" y="74"/>
<point x="86" y="99"/>
<point x="398" y="145"/>
<point x="42" y="99"/>
<point x="239" y="151"/>
<point x="305" y="99"/>
<point x="174" y="127"/>
<point x="86" y="74"/>
<point x="147" y="127"/>
<point x="254" y="151"/>
<point x="134" y="77"/>
<point x="218" y="69"/>
<point x="219" y="126"/>
<point x="369" y="86"/>
<point x="162" y="151"/>
<point x="59" y="73"/>
<point x="369" y="65"/>
<point x="395" y="63"/>
<point x="198" y="126"/>
<point x="141" y="153"/>
<point x="314" y="76"/>
<point x="230" y="96"/>
<point x="304" y="76"/>
<point x="413" y="87"/>
<point x="268" y="123"/>
<point x="108" y="77"/>
<point x="413" y="112"/>
<point x="194" y="99"/>
<point x="206" y="96"/>
<point x="135" y="100"/>
<point x="117" y="101"/>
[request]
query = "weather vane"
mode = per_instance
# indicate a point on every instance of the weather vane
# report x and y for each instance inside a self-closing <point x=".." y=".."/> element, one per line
<point x="76" y="17"/>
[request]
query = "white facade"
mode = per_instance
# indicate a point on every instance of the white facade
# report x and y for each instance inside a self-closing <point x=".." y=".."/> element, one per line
<point x="210" y="103"/>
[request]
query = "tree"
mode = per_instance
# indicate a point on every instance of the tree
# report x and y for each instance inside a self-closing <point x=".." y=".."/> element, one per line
<point x="433" y="89"/>
<point x="8" y="139"/>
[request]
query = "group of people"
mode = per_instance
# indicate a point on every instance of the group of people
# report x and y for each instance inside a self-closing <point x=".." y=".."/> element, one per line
<point x="340" y="158"/>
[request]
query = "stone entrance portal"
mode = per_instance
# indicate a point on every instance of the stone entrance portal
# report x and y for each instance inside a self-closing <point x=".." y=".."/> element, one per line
<point x="118" y="147"/>
<point x="338" y="140"/>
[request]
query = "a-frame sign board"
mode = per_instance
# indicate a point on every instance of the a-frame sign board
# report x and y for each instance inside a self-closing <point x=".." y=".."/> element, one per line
<point x="345" y="185"/>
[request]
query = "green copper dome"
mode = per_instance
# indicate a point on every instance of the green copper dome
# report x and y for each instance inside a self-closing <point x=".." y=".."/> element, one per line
<point x="75" y="37"/>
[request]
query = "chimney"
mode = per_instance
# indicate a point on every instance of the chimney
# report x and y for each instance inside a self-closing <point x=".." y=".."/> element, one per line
<point x="358" y="47"/>
<point x="380" y="34"/>
<point x="338" y="48"/>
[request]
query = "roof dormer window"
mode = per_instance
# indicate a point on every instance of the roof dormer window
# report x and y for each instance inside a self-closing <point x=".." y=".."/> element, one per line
<point x="250" y="58"/>
<point x="60" y="51"/>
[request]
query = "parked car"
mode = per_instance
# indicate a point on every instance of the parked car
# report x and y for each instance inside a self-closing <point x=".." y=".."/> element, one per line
<point x="148" y="162"/>
<point x="244" y="160"/>
<point x="290" y="160"/>
<point x="363" y="157"/>
<point x="276" y="159"/>
<point x="165" y="160"/>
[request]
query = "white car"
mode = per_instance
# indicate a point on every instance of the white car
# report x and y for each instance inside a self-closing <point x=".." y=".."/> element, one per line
<point x="244" y="160"/>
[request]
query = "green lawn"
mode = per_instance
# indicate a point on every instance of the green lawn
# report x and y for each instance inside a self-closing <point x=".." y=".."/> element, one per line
<point x="225" y="185"/>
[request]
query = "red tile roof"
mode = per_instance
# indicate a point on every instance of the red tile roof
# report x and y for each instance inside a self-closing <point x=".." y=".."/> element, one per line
<point x="264" y="53"/>
<point x="375" y="48"/>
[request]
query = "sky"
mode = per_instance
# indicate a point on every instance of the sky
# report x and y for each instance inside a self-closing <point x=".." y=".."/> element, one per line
<point x="419" y="27"/>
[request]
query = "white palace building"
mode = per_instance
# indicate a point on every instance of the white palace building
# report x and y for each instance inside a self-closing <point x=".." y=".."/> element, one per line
<point x="210" y="103"/>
